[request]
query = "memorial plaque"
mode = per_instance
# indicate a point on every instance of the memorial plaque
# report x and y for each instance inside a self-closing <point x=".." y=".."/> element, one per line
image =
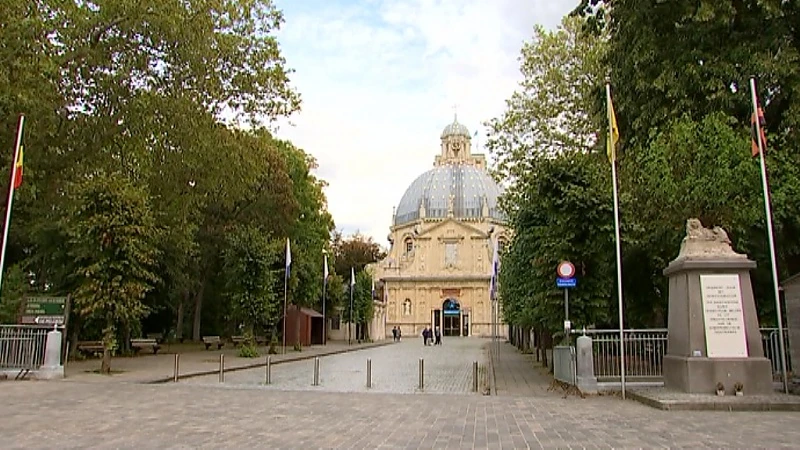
<point x="723" y="316"/>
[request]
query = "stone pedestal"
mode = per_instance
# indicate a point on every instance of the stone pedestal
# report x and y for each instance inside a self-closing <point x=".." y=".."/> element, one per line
<point x="586" y="380"/>
<point x="714" y="338"/>
<point x="52" y="367"/>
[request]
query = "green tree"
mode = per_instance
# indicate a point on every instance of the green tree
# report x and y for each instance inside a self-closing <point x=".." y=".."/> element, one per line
<point x="112" y="237"/>
<point x="250" y="280"/>
<point x="354" y="252"/>
<point x="551" y="111"/>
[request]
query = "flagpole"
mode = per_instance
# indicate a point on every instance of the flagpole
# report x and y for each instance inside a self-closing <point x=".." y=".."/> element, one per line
<point x="619" y="252"/>
<point x="350" y="326"/>
<point x="287" y="267"/>
<point x="11" y="195"/>
<point x="770" y="234"/>
<point x="324" y="284"/>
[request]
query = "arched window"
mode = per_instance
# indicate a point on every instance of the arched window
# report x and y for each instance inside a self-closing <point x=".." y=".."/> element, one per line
<point x="407" y="307"/>
<point x="409" y="245"/>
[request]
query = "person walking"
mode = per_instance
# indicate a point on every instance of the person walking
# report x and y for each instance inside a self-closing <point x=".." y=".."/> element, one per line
<point x="438" y="336"/>
<point x="394" y="334"/>
<point x="425" y="336"/>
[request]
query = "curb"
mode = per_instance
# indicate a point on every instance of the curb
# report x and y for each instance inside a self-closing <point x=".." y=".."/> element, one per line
<point x="263" y="363"/>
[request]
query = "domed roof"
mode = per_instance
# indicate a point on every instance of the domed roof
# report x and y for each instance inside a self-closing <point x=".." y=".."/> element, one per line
<point x="455" y="129"/>
<point x="468" y="185"/>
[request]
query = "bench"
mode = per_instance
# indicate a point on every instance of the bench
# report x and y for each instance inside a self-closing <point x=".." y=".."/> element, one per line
<point x="91" y="347"/>
<point x="261" y="340"/>
<point x="159" y="337"/>
<point x="237" y="340"/>
<point x="213" y="340"/>
<point x="138" y="344"/>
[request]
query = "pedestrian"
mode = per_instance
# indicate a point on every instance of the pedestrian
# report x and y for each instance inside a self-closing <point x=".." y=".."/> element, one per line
<point x="394" y="334"/>
<point x="399" y="334"/>
<point x="438" y="337"/>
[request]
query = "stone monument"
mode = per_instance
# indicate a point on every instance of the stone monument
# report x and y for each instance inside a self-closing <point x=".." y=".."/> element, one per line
<point x="713" y="325"/>
<point x="52" y="367"/>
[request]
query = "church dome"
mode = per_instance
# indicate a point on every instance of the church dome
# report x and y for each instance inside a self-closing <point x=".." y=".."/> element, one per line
<point x="468" y="185"/>
<point x="455" y="129"/>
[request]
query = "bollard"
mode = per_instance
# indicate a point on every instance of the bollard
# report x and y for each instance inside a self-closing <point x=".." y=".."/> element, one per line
<point x="421" y="374"/>
<point x="475" y="376"/>
<point x="221" y="368"/>
<point x="316" y="371"/>
<point x="369" y="373"/>
<point x="268" y="375"/>
<point x="176" y="368"/>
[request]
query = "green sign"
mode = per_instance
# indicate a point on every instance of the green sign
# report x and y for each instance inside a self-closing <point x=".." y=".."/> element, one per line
<point x="44" y="310"/>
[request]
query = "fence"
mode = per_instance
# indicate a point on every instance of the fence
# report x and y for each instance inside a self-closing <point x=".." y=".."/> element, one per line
<point x="645" y="350"/>
<point x="22" y="347"/>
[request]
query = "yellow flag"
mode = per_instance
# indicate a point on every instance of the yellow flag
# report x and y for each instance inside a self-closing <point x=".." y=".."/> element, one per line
<point x="613" y="131"/>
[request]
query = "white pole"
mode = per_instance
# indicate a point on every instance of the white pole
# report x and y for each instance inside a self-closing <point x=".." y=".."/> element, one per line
<point x="770" y="235"/>
<point x="619" y="260"/>
<point x="11" y="195"/>
<point x="285" y="296"/>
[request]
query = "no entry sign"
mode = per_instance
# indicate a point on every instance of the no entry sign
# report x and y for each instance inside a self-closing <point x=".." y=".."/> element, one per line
<point x="565" y="270"/>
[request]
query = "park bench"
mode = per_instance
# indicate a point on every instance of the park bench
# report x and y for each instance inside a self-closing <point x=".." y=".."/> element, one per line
<point x="159" y="337"/>
<point x="138" y="344"/>
<point x="91" y="347"/>
<point x="213" y="340"/>
<point x="237" y="340"/>
<point x="261" y="340"/>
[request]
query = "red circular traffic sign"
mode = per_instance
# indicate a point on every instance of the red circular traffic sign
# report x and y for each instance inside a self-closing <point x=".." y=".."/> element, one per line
<point x="565" y="270"/>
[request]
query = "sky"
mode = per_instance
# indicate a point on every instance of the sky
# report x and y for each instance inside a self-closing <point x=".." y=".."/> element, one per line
<point x="380" y="79"/>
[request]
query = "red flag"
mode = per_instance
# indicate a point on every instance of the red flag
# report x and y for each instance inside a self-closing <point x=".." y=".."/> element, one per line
<point x="18" y="170"/>
<point x="754" y="135"/>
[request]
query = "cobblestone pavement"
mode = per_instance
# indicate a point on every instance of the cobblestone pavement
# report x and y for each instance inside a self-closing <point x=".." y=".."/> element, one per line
<point x="147" y="368"/>
<point x="74" y="414"/>
<point x="519" y="374"/>
<point x="395" y="369"/>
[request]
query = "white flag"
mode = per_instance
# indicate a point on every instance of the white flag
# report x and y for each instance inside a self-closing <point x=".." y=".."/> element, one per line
<point x="352" y="276"/>
<point x="325" y="269"/>
<point x="495" y="272"/>
<point x="288" y="258"/>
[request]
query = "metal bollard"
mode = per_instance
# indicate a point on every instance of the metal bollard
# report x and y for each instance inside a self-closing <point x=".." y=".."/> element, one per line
<point x="421" y="374"/>
<point x="221" y="368"/>
<point x="268" y="374"/>
<point x="369" y="373"/>
<point x="176" y="368"/>
<point x="475" y="376"/>
<point x="316" y="371"/>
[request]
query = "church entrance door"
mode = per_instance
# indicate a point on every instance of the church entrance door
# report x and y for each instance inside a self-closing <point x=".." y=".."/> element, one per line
<point x="451" y="315"/>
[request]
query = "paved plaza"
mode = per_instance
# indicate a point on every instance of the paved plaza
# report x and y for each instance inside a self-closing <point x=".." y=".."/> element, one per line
<point x="241" y="413"/>
<point x="71" y="414"/>
<point x="448" y="368"/>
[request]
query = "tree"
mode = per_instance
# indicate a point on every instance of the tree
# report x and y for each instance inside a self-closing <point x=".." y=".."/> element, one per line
<point x="354" y="252"/>
<point x="250" y="279"/>
<point x="552" y="110"/>
<point x="363" y="306"/>
<point x="112" y="237"/>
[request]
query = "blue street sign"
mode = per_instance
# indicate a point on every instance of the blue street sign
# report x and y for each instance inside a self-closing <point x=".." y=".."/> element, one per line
<point x="566" y="282"/>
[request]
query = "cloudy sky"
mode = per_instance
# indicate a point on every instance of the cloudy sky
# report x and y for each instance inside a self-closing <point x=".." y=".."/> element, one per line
<point x="381" y="78"/>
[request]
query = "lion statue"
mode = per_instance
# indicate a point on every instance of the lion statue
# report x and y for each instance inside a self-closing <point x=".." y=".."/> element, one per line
<point x="704" y="242"/>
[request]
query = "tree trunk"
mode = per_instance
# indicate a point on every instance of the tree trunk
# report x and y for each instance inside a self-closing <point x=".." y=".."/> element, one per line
<point x="179" y="319"/>
<point x="198" y="309"/>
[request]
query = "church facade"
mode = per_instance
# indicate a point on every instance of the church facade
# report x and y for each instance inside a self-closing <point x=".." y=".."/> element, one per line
<point x="438" y="270"/>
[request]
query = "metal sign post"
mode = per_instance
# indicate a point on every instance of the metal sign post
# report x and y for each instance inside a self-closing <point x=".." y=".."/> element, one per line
<point x="566" y="280"/>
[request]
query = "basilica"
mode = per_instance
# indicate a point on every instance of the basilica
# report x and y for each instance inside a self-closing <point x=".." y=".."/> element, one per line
<point x="443" y="235"/>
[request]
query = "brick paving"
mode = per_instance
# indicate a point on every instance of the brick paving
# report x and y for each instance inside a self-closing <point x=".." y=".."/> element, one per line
<point x="78" y="413"/>
<point x="149" y="368"/>
<point x="519" y="374"/>
<point x="448" y="368"/>
<point x="70" y="414"/>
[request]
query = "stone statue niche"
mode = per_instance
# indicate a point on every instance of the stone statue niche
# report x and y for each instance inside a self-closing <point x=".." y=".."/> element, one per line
<point x="712" y="321"/>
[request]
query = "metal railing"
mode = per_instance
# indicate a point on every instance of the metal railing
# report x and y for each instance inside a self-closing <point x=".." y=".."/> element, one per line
<point x="564" y="368"/>
<point x="770" y="341"/>
<point x="645" y="350"/>
<point x="22" y="346"/>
